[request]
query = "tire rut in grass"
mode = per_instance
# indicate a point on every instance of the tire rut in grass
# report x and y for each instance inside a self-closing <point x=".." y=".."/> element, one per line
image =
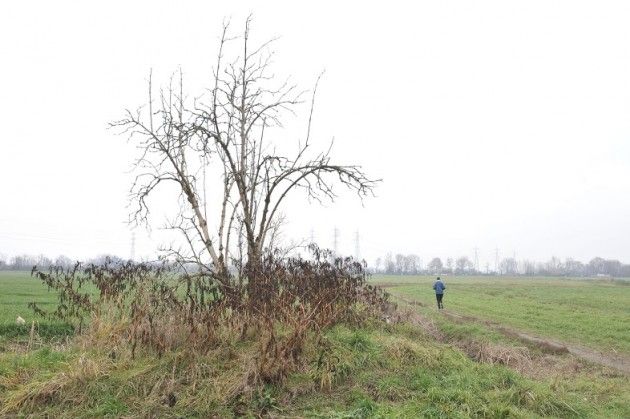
<point x="616" y="361"/>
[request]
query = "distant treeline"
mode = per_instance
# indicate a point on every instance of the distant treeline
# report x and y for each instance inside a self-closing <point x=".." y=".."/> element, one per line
<point x="400" y="264"/>
<point x="26" y="262"/>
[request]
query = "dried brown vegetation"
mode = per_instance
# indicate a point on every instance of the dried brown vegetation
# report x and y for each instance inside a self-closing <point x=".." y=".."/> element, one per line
<point x="152" y="308"/>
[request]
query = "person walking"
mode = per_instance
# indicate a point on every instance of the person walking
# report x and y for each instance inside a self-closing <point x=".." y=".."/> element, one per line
<point x="439" y="288"/>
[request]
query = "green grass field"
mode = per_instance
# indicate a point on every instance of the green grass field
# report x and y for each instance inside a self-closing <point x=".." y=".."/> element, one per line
<point x="591" y="312"/>
<point x="17" y="290"/>
<point x="380" y="370"/>
<point x="595" y="313"/>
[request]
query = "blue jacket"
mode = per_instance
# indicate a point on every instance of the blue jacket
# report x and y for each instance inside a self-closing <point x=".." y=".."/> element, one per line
<point x="439" y="287"/>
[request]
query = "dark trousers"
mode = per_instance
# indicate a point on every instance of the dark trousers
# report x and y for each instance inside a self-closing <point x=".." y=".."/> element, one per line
<point x="439" y="300"/>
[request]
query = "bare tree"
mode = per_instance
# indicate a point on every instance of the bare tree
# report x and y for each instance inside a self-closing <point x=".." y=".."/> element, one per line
<point x="449" y="265"/>
<point x="554" y="266"/>
<point x="377" y="265"/>
<point x="597" y="266"/>
<point x="390" y="266"/>
<point x="435" y="266"/>
<point x="216" y="149"/>
<point x="464" y="265"/>
<point x="508" y="266"/>
<point x="22" y="262"/>
<point x="413" y="264"/>
<point x="63" y="261"/>
<point x="528" y="267"/>
<point x="400" y="263"/>
<point x="573" y="267"/>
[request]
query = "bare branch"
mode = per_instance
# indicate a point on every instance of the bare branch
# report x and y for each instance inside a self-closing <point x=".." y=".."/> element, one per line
<point x="216" y="148"/>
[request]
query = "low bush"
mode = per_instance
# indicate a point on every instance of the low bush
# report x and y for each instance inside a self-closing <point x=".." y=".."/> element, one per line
<point x="159" y="308"/>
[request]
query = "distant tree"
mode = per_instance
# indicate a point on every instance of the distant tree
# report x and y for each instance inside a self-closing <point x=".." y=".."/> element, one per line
<point x="400" y="263"/>
<point x="101" y="259"/>
<point x="406" y="264"/>
<point x="377" y="264"/>
<point x="63" y="261"/>
<point x="43" y="261"/>
<point x="508" y="266"/>
<point x="554" y="267"/>
<point x="390" y="266"/>
<point x="596" y="266"/>
<point x="612" y="267"/>
<point x="413" y="264"/>
<point x="463" y="265"/>
<point x="573" y="267"/>
<point x="528" y="268"/>
<point x="22" y="262"/>
<point x="435" y="266"/>
<point x="449" y="265"/>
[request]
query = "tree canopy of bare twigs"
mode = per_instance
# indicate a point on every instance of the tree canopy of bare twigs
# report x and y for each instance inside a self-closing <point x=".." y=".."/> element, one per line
<point x="224" y="131"/>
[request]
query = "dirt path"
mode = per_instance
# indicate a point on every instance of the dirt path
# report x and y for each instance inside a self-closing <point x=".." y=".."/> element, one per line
<point x="611" y="360"/>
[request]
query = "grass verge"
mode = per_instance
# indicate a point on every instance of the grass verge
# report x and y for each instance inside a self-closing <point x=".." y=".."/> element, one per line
<point x="376" y="371"/>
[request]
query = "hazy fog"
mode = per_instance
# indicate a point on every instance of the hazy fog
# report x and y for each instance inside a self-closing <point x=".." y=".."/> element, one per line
<point x="492" y="124"/>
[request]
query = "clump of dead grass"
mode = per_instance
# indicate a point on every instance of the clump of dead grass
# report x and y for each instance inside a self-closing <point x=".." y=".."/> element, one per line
<point x="515" y="357"/>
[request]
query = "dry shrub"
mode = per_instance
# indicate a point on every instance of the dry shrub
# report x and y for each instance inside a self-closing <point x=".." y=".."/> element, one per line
<point x="158" y="308"/>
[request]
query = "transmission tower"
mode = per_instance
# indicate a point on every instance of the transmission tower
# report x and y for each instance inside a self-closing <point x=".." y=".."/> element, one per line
<point x="357" y="248"/>
<point x="476" y="249"/>
<point x="312" y="236"/>
<point x="335" y="240"/>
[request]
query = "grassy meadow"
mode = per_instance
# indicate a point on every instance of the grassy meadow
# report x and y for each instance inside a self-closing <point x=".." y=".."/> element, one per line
<point x="595" y="313"/>
<point x="424" y="365"/>
<point x="17" y="290"/>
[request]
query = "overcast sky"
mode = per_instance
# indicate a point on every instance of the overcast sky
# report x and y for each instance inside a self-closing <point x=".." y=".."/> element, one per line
<point x="493" y="124"/>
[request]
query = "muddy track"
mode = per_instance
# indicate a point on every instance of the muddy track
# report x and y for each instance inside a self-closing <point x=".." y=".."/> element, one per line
<point x="615" y="361"/>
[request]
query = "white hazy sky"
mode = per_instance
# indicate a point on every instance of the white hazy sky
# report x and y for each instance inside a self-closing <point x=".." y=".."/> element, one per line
<point x="492" y="123"/>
